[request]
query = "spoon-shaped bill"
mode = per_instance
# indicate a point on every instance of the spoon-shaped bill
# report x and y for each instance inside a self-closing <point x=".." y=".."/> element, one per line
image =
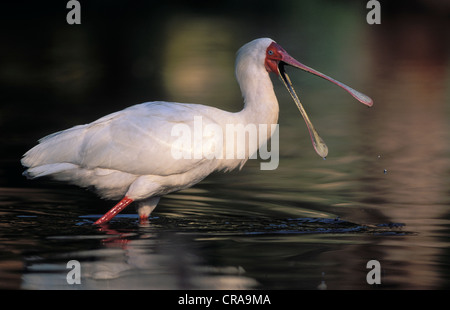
<point x="287" y="59"/>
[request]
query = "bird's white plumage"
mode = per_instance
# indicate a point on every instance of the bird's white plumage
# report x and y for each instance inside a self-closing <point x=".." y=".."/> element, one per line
<point x="114" y="151"/>
<point x="129" y="152"/>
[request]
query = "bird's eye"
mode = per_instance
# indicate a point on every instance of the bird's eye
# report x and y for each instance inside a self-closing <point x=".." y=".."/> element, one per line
<point x="270" y="52"/>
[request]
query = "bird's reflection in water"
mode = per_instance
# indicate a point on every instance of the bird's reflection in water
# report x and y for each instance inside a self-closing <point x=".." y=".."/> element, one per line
<point x="141" y="259"/>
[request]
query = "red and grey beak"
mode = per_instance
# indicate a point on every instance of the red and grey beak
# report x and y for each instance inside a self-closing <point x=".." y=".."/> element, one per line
<point x="276" y="59"/>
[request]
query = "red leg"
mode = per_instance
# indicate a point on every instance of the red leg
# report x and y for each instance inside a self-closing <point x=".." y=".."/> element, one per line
<point x="143" y="219"/>
<point x="113" y="212"/>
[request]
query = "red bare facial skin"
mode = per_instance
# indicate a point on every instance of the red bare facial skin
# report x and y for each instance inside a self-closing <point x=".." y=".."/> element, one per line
<point x="274" y="54"/>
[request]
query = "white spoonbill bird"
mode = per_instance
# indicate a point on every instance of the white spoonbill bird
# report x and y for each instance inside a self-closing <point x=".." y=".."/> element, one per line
<point x="128" y="155"/>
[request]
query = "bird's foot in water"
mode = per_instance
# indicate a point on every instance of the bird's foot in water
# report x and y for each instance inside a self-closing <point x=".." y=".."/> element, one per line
<point x="143" y="220"/>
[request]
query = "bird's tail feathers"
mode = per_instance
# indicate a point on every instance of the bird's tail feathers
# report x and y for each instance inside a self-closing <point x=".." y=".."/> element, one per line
<point x="44" y="170"/>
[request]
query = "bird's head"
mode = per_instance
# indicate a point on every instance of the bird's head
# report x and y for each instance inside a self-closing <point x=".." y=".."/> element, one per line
<point x="275" y="60"/>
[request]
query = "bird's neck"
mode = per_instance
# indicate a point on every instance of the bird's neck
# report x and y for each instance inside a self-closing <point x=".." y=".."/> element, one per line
<point x="260" y="102"/>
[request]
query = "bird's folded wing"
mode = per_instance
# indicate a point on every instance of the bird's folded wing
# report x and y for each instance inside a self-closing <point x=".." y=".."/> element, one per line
<point x="138" y="140"/>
